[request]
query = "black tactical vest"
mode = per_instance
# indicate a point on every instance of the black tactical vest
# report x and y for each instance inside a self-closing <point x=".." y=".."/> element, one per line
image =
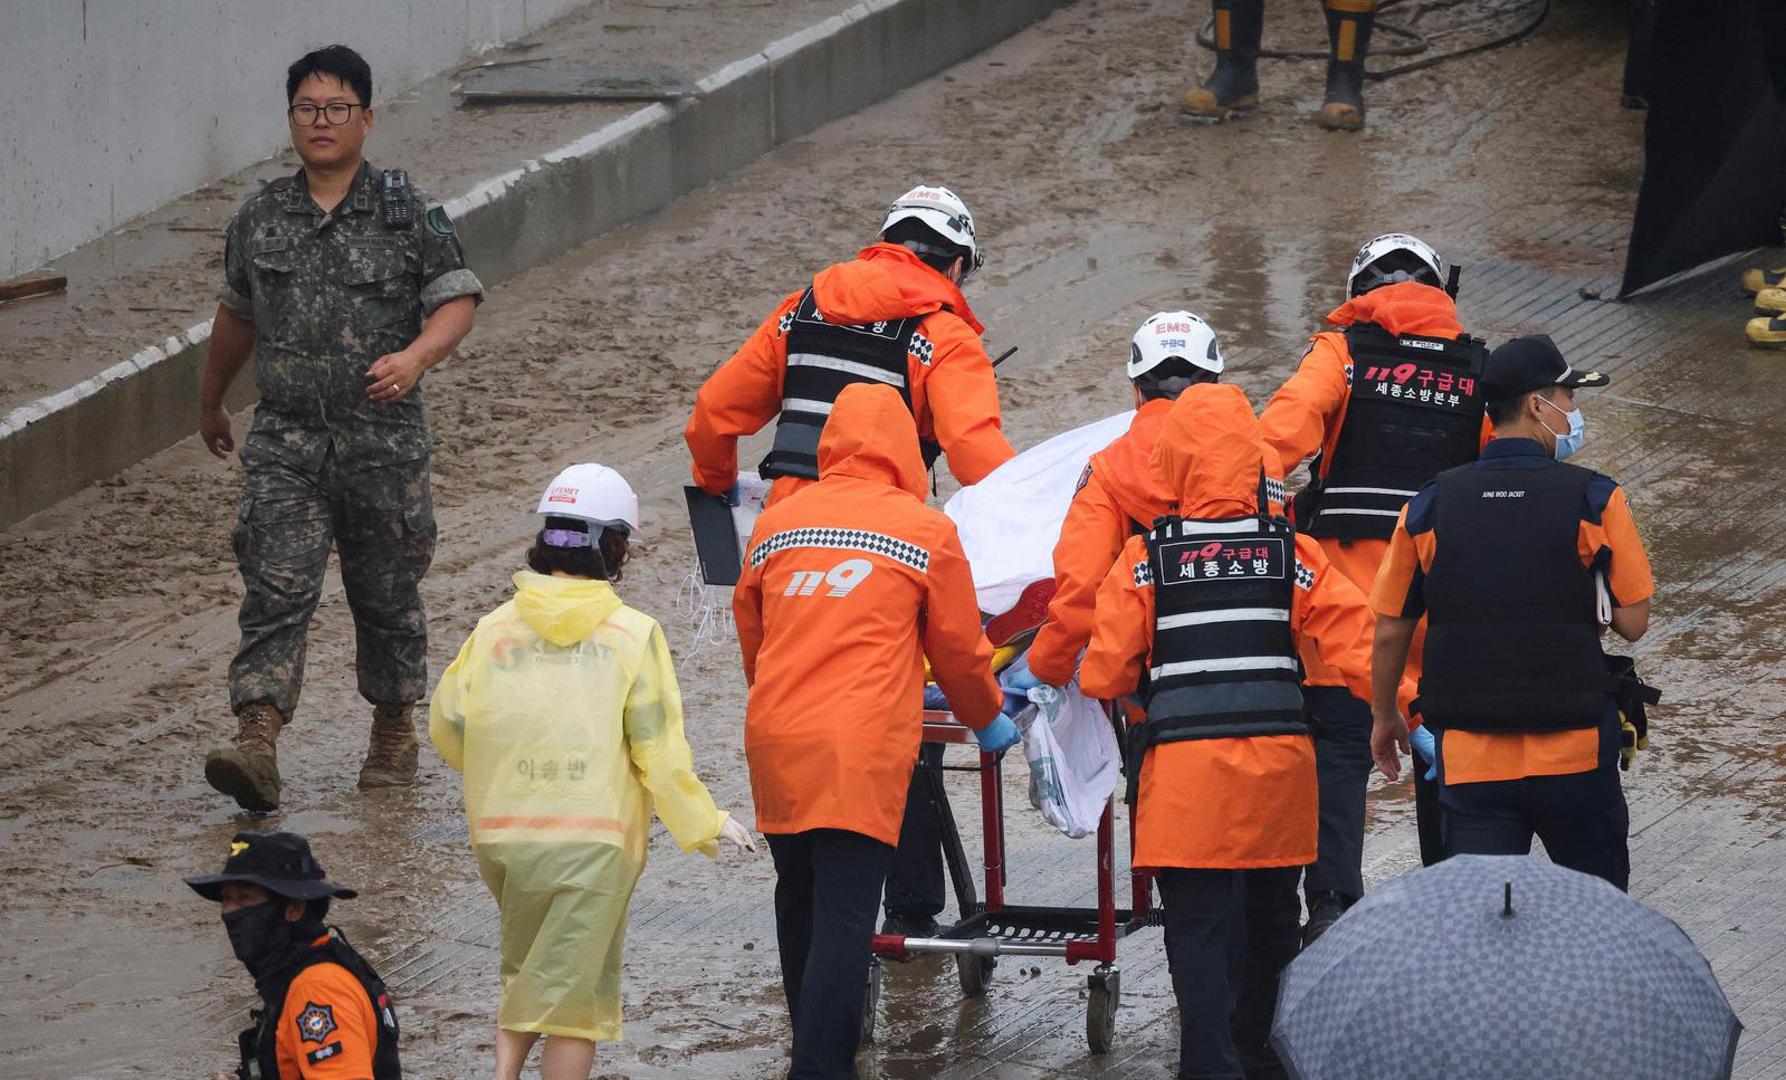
<point x="823" y="358"/>
<point x="1512" y="643"/>
<point x="260" y="1043"/>
<point x="1223" y="662"/>
<point x="1415" y="410"/>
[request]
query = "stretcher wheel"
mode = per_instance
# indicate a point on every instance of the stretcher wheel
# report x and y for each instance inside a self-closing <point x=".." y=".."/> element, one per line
<point x="1104" y="988"/>
<point x="871" y="1000"/>
<point x="975" y="973"/>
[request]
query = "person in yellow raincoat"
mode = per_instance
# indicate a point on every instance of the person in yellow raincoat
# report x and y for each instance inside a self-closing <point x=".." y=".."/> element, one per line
<point x="563" y="713"/>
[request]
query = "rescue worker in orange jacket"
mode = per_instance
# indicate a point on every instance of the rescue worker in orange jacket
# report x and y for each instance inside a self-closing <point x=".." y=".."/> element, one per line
<point x="1384" y="401"/>
<point x="1205" y="614"/>
<point x="324" y="1012"/>
<point x="1519" y="563"/>
<point x="1119" y="494"/>
<point x="893" y="315"/>
<point x="848" y="586"/>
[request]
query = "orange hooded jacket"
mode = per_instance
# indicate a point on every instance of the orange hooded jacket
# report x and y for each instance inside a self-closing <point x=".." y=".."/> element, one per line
<point x="1119" y="491"/>
<point x="849" y="584"/>
<point x="954" y="393"/>
<point x="1229" y="803"/>
<point x="1306" y="413"/>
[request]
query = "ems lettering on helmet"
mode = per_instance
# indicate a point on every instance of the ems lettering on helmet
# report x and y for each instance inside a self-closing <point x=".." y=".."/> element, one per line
<point x="842" y="579"/>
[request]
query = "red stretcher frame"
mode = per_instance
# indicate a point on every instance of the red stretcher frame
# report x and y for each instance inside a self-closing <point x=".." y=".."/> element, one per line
<point x="994" y="928"/>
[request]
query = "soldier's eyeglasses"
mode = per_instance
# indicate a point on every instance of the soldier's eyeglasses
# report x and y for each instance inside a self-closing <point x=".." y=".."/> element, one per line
<point x="335" y="112"/>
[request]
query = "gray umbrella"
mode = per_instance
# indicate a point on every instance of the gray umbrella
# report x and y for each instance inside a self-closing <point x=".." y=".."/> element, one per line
<point x="1503" y="966"/>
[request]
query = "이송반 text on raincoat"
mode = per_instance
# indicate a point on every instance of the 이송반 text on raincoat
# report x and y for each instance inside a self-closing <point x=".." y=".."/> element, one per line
<point x="562" y="711"/>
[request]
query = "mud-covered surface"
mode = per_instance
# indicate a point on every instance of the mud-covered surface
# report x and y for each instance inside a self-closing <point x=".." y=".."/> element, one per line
<point x="158" y="275"/>
<point x="116" y="607"/>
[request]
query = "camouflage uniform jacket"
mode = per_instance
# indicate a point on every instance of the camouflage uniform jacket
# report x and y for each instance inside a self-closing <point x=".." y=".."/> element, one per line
<point x="329" y="294"/>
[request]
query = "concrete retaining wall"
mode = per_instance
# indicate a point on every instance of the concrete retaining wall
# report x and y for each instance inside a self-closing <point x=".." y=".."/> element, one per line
<point x="612" y="176"/>
<point x="137" y="82"/>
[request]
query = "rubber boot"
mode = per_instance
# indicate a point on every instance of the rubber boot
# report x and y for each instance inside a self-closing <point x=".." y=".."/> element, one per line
<point x="1232" y="89"/>
<point x="391" y="759"/>
<point x="1760" y="279"/>
<point x="1767" y="333"/>
<point x="1771" y="301"/>
<point x="248" y="770"/>
<point x="1349" y="24"/>
<point x="1324" y="909"/>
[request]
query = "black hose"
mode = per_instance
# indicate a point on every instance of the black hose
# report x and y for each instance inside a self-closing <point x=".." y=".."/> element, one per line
<point x="1416" y="44"/>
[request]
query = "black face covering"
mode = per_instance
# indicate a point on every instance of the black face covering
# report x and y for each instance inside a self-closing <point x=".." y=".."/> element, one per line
<point x="260" y="936"/>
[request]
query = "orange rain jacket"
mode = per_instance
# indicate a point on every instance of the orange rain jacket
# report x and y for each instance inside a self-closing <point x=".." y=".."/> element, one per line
<point x="954" y="393"/>
<point x="1306" y="413"/>
<point x="849" y="584"/>
<point x="1231" y="803"/>
<point x="1119" y="491"/>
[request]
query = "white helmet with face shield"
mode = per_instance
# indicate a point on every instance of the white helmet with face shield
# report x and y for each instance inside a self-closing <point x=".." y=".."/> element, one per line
<point x="1394" y="257"/>
<point x="942" y="213"/>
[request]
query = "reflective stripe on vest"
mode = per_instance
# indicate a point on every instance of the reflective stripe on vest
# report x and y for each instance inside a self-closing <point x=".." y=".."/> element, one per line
<point x="1223" y="660"/>
<point x="1414" y="410"/>
<point x="823" y="358"/>
<point x="1512" y="642"/>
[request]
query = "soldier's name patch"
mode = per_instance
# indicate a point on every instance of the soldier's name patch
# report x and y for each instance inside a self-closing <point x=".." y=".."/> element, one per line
<point x="316" y="1022"/>
<point x="1219" y="560"/>
<point x="323" y="1053"/>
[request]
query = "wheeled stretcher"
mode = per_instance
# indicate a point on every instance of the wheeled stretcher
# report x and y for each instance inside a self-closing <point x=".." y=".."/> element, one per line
<point x="993" y="928"/>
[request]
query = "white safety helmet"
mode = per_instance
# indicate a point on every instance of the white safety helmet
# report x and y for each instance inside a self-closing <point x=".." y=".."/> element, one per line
<point x="592" y="493"/>
<point x="1170" y="335"/>
<point x="945" y="214"/>
<point x="1417" y="254"/>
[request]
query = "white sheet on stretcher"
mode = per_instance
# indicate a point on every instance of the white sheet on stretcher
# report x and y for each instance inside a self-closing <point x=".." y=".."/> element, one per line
<point x="1009" y="523"/>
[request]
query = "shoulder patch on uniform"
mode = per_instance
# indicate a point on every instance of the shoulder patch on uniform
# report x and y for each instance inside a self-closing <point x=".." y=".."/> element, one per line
<point x="316" y="1023"/>
<point x="1305" y="577"/>
<point x="323" y="1053"/>
<point x="439" y="221"/>
<point x="1143" y="574"/>
<point x="921" y="348"/>
<point x="1084" y="478"/>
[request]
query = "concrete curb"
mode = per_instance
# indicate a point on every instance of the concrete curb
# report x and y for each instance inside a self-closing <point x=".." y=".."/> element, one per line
<point x="57" y="445"/>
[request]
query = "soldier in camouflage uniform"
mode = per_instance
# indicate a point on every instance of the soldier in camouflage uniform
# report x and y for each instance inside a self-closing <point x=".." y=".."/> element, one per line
<point x="345" y="300"/>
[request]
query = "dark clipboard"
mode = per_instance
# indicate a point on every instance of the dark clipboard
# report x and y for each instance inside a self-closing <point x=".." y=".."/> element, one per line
<point x="716" y="537"/>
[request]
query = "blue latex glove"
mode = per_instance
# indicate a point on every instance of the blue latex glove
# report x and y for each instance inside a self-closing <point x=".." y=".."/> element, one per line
<point x="732" y="495"/>
<point x="1427" y="748"/>
<point x="998" y="736"/>
<point x="1017" y="681"/>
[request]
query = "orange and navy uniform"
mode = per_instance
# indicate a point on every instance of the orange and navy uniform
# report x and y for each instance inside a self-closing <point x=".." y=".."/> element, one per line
<point x="1306" y="414"/>
<point x="1119" y="495"/>
<point x="953" y="392"/>
<point x="1226" y="802"/>
<point x="327" y="1028"/>
<point x="1606" y="539"/>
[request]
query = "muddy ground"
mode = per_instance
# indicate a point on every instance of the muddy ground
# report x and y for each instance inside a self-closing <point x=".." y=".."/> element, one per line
<point x="117" y="607"/>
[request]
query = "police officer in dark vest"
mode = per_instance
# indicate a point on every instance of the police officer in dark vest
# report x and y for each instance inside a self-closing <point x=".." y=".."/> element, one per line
<point x="1384" y="400"/>
<point x="324" y="1011"/>
<point x="1519" y="563"/>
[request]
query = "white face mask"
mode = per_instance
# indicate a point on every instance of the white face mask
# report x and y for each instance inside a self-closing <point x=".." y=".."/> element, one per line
<point x="1570" y="441"/>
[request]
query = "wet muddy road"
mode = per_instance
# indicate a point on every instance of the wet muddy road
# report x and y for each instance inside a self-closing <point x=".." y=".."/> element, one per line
<point x="117" y="607"/>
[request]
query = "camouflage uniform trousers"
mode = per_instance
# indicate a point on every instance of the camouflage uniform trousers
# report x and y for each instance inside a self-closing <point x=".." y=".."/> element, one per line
<point x="380" y="518"/>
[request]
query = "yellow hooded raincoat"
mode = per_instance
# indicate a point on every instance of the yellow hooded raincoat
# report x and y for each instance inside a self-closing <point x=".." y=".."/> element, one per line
<point x="563" y="713"/>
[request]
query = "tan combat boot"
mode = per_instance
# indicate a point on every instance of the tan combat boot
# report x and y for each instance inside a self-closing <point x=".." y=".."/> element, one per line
<point x="391" y="759"/>
<point x="248" y="771"/>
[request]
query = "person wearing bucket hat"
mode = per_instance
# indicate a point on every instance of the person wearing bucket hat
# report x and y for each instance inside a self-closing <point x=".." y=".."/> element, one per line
<point x="562" y="711"/>
<point x="325" y="1012"/>
<point x="1519" y="563"/>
